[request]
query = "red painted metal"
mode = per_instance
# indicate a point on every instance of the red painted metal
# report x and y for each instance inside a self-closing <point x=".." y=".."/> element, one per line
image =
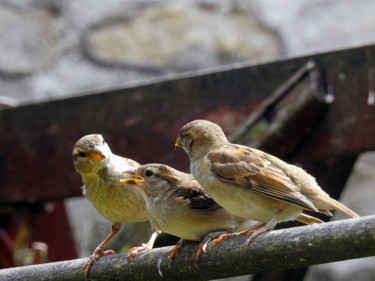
<point x="142" y="123"/>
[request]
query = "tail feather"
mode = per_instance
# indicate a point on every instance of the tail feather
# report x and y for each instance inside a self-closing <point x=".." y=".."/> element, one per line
<point x="306" y="219"/>
<point x="326" y="212"/>
<point x="325" y="203"/>
<point x="342" y="208"/>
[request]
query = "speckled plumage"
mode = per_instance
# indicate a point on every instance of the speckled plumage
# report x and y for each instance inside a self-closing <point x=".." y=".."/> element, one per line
<point x="250" y="183"/>
<point x="177" y="204"/>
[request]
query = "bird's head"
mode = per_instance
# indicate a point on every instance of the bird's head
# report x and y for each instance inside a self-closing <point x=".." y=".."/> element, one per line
<point x="90" y="152"/>
<point x="154" y="180"/>
<point x="199" y="137"/>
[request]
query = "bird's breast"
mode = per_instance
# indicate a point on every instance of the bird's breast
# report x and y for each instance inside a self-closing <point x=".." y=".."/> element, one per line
<point x="181" y="221"/>
<point x="116" y="202"/>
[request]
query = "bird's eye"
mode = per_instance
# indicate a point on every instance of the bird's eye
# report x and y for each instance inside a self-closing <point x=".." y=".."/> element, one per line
<point x="149" y="173"/>
<point x="82" y="154"/>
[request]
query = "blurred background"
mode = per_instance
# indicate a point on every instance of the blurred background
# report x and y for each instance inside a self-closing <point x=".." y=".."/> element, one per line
<point x="55" y="49"/>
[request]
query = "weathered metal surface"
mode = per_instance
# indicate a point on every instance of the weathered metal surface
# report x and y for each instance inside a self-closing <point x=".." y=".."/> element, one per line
<point x="142" y="122"/>
<point x="285" y="120"/>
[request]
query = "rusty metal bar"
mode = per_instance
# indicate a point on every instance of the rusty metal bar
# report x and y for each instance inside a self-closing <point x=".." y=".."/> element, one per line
<point x="286" y="118"/>
<point x="142" y="122"/>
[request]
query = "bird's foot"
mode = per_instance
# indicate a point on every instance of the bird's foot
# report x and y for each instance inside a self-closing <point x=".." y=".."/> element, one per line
<point x="199" y="249"/>
<point x="223" y="237"/>
<point x="135" y="250"/>
<point x="207" y="241"/>
<point x="172" y="253"/>
<point x="256" y="233"/>
<point x="242" y="233"/>
<point x="98" y="253"/>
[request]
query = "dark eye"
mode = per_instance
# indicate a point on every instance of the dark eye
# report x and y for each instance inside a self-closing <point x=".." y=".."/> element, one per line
<point x="149" y="173"/>
<point x="81" y="154"/>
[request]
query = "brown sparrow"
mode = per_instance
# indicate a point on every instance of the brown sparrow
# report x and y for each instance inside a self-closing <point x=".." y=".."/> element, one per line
<point x="177" y="204"/>
<point x="250" y="183"/>
<point x="117" y="202"/>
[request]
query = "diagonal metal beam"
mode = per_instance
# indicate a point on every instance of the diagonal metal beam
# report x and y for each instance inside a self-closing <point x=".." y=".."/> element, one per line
<point x="142" y="121"/>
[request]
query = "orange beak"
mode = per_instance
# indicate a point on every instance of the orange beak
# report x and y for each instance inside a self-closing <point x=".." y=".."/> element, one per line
<point x="178" y="143"/>
<point x="96" y="154"/>
<point x="134" y="179"/>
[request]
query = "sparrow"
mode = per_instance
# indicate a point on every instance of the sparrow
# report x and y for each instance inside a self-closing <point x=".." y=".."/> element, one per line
<point x="119" y="203"/>
<point x="250" y="183"/>
<point x="177" y="204"/>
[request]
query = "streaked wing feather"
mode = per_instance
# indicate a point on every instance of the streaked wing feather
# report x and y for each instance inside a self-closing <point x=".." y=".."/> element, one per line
<point x="241" y="166"/>
<point x="196" y="198"/>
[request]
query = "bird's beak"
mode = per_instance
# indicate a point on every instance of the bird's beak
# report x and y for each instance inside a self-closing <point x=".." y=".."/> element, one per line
<point x="178" y="143"/>
<point x="134" y="179"/>
<point x="96" y="154"/>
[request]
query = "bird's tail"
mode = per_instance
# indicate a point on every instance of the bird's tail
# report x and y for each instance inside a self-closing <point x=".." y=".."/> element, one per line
<point x="306" y="219"/>
<point x="342" y="208"/>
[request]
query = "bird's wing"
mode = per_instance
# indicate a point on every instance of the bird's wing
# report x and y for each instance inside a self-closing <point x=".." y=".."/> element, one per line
<point x="244" y="167"/>
<point x="196" y="198"/>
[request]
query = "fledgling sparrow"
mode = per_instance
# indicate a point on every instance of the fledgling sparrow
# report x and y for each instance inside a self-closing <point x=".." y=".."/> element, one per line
<point x="177" y="204"/>
<point x="117" y="202"/>
<point x="250" y="183"/>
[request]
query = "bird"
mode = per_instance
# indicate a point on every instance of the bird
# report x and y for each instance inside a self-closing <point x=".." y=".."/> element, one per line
<point x="250" y="183"/>
<point x="177" y="204"/>
<point x="117" y="202"/>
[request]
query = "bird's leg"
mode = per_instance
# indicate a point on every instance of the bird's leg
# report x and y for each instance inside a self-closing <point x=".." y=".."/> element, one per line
<point x="242" y="233"/>
<point x="206" y="241"/>
<point x="135" y="250"/>
<point x="176" y="249"/>
<point x="268" y="227"/>
<point x="99" y="251"/>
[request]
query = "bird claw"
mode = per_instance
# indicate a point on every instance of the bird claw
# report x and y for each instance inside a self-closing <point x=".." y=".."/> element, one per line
<point x="199" y="249"/>
<point x="175" y="250"/>
<point x="222" y="237"/>
<point x="204" y="246"/>
<point x="255" y="234"/>
<point x="255" y="231"/>
<point x="133" y="252"/>
<point x="98" y="253"/>
<point x="207" y="241"/>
